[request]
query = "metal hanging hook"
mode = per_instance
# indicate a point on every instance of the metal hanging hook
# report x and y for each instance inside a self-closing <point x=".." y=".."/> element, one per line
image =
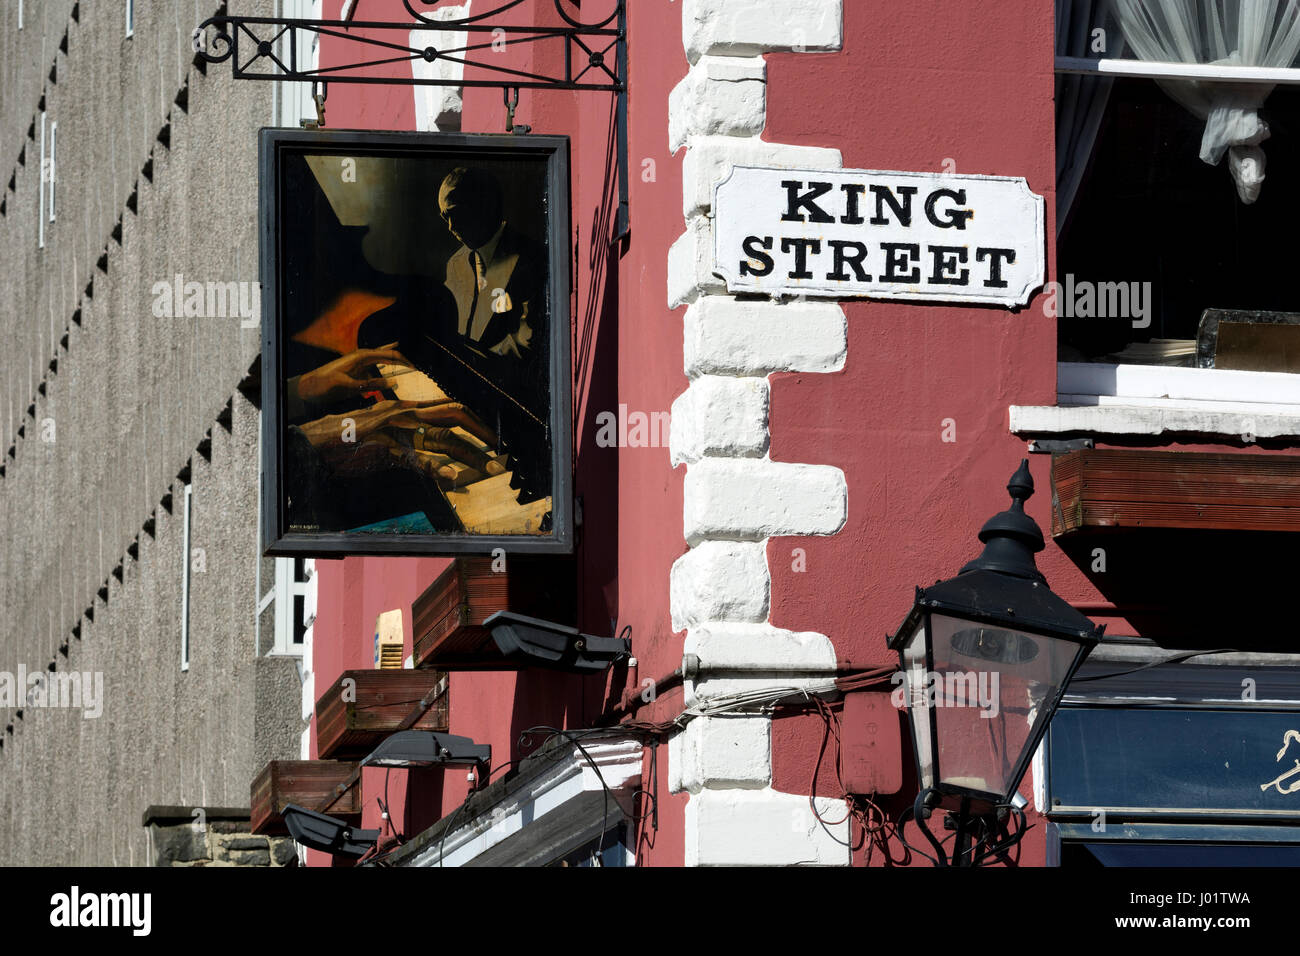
<point x="319" y="100"/>
<point x="511" y="104"/>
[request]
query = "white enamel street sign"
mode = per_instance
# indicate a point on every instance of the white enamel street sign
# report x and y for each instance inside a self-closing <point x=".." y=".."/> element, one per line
<point x="934" y="237"/>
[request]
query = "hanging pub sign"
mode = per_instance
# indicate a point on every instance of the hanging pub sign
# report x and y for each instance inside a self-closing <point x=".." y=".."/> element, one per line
<point x="934" y="237"/>
<point x="416" y="383"/>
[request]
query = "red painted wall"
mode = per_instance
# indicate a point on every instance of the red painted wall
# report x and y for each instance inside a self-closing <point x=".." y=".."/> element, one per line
<point x="917" y="86"/>
<point x="627" y="349"/>
<point x="920" y="85"/>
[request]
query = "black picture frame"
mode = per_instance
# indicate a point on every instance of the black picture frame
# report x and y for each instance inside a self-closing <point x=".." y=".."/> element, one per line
<point x="276" y="147"/>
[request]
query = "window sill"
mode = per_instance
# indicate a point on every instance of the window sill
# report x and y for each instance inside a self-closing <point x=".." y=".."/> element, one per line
<point x="1155" y="400"/>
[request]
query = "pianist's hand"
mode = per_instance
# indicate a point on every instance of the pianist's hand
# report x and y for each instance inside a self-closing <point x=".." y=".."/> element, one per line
<point x="348" y="376"/>
<point x="415" y="435"/>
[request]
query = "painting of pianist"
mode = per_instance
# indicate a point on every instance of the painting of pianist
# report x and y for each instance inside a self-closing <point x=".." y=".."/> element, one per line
<point x="415" y="338"/>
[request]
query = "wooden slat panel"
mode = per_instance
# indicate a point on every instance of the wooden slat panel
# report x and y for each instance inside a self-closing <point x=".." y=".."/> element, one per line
<point x="351" y="724"/>
<point x="1177" y="491"/>
<point x="1106" y="488"/>
<point x="308" y="783"/>
<point x="448" y="616"/>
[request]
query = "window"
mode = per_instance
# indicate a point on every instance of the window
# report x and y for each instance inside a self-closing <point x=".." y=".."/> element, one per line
<point x="20" y="14"/>
<point x="1171" y="202"/>
<point x="292" y="600"/>
<point x="130" y="17"/>
<point x="611" y="849"/>
<point x="294" y="595"/>
<point x="188" y="559"/>
<point x="301" y="47"/>
<point x="41" y="176"/>
<point x="1177" y="765"/>
<point x="52" y="165"/>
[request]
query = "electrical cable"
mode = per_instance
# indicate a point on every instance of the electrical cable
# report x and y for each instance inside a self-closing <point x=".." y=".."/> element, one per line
<point x="1013" y="838"/>
<point x="866" y="679"/>
<point x="572" y="737"/>
<point x="443" y="839"/>
<point x="450" y="824"/>
<point x="830" y="727"/>
<point x="1177" y="658"/>
<point x="902" y="836"/>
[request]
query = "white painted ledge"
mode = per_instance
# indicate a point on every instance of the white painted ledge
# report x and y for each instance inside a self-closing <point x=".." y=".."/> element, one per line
<point x="1040" y="421"/>
<point x="552" y="814"/>
<point x="1186" y="404"/>
<point x="1154" y="400"/>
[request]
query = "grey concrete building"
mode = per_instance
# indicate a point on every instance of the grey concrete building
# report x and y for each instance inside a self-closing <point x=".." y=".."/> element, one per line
<point x="129" y="434"/>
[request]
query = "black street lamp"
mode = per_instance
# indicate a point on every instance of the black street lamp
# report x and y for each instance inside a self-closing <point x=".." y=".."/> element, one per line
<point x="985" y="658"/>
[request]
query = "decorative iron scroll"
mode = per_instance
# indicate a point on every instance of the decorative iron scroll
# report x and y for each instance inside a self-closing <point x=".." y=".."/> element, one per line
<point x="594" y="55"/>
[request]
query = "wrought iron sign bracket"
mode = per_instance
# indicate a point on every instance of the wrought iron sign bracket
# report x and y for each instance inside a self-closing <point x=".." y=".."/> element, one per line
<point x="594" y="57"/>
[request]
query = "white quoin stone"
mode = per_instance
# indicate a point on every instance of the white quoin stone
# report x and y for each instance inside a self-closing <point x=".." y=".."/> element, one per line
<point x="720" y="581"/>
<point x="751" y="27"/>
<point x="741" y="658"/>
<point x="721" y="646"/>
<point x="690" y="264"/>
<point x="726" y="752"/>
<point x="710" y="159"/>
<point x="751" y="499"/>
<point x="720" y="95"/>
<point x="764" y="828"/>
<point x="728" y="336"/>
<point x="720" y="417"/>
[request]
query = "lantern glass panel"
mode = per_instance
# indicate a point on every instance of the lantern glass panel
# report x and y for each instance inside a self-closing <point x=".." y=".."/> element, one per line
<point x="916" y="666"/>
<point x="991" y="688"/>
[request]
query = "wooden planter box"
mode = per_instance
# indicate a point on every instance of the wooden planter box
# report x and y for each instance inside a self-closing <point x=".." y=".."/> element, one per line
<point x="1119" y="488"/>
<point x="350" y="725"/>
<point x="448" y="617"/>
<point x="308" y="783"/>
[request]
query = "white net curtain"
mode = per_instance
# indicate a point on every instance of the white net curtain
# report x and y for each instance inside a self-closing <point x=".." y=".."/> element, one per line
<point x="1227" y="32"/>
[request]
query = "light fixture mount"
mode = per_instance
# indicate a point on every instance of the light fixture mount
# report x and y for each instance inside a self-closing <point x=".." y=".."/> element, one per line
<point x="985" y="658"/>
<point x="327" y="834"/>
<point x="409" y="749"/>
<point x="533" y="642"/>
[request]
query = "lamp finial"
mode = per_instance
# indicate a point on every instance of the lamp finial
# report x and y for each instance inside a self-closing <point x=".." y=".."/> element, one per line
<point x="1012" y="538"/>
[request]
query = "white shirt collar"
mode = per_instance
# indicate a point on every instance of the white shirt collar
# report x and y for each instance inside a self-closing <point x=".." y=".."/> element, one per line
<point x="489" y="249"/>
